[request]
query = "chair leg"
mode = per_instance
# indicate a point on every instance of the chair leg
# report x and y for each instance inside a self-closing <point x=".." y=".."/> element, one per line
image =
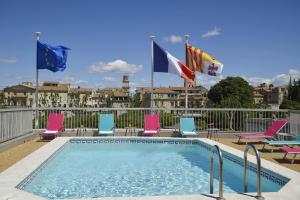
<point x="293" y="159"/>
<point x="284" y="157"/>
<point x="239" y="140"/>
<point x="263" y="148"/>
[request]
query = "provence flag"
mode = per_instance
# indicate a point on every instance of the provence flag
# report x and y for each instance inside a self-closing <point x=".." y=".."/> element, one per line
<point x="198" y="60"/>
<point x="50" y="57"/>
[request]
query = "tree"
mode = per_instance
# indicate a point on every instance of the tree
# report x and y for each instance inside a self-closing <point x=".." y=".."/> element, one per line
<point x="55" y="99"/>
<point x="293" y="99"/>
<point x="135" y="101"/>
<point x="74" y="99"/>
<point x="43" y="100"/>
<point x="232" y="92"/>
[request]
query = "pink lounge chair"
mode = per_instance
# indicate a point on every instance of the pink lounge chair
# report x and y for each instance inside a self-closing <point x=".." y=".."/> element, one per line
<point x="290" y="150"/>
<point x="151" y="124"/>
<point x="269" y="133"/>
<point x="54" y="125"/>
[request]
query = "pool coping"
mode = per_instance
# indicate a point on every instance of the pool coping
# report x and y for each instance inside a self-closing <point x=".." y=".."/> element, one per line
<point x="14" y="175"/>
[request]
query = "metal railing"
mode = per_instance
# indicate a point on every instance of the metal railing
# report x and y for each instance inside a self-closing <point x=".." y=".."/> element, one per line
<point x="15" y="123"/>
<point x="294" y="122"/>
<point x="212" y="171"/>
<point x="225" y="119"/>
<point x="228" y="120"/>
<point x="258" y="162"/>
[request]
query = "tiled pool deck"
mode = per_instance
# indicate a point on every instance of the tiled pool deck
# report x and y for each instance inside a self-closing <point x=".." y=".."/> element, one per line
<point x="11" y="177"/>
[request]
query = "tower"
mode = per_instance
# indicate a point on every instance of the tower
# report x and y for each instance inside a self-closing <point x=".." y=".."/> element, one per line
<point x="125" y="82"/>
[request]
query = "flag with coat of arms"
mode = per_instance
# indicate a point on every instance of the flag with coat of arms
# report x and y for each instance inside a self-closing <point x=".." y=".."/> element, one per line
<point x="198" y="60"/>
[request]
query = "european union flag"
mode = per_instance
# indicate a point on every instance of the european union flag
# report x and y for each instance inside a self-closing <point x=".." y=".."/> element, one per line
<point x="50" y="57"/>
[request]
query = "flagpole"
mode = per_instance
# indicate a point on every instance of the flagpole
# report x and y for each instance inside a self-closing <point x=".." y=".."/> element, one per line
<point x="187" y="37"/>
<point x="152" y="71"/>
<point x="37" y="85"/>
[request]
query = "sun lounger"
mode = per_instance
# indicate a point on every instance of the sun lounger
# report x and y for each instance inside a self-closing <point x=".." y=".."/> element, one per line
<point x="106" y="124"/>
<point x="187" y="126"/>
<point x="296" y="141"/>
<point x="268" y="134"/>
<point x="151" y="125"/>
<point x="289" y="150"/>
<point x="54" y="125"/>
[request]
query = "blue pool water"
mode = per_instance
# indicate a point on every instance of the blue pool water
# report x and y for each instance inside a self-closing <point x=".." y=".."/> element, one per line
<point x="136" y="168"/>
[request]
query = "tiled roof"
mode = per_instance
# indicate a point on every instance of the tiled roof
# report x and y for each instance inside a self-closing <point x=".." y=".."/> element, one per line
<point x="81" y="90"/>
<point x="59" y="88"/>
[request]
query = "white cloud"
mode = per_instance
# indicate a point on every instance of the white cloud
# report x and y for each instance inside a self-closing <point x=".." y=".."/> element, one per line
<point x="81" y="82"/>
<point x="109" y="79"/>
<point x="208" y="81"/>
<point x="215" y="32"/>
<point x="277" y="80"/>
<point x="73" y="80"/>
<point x="115" y="66"/>
<point x="8" y="60"/>
<point x="174" y="39"/>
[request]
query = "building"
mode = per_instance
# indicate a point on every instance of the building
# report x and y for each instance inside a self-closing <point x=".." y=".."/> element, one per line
<point x="269" y="95"/>
<point x="21" y="95"/>
<point x="53" y="94"/>
<point x="173" y="97"/>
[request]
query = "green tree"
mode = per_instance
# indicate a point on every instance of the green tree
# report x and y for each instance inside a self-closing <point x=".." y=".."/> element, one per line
<point x="135" y="101"/>
<point x="84" y="101"/>
<point x="232" y="92"/>
<point x="293" y="99"/>
<point x="43" y="100"/>
<point x="55" y="99"/>
<point x="74" y="99"/>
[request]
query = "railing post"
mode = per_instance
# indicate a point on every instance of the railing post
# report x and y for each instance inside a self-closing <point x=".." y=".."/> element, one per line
<point x="212" y="171"/>
<point x="259" y="195"/>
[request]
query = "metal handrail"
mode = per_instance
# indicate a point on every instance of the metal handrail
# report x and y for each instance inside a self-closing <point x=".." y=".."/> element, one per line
<point x="212" y="171"/>
<point x="258" y="161"/>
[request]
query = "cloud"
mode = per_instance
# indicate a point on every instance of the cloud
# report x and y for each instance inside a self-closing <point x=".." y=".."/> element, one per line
<point x="115" y="66"/>
<point x="8" y="60"/>
<point x="277" y="80"/>
<point x="208" y="81"/>
<point x="74" y="81"/>
<point x="109" y="79"/>
<point x="174" y="39"/>
<point x="81" y="82"/>
<point x="215" y="32"/>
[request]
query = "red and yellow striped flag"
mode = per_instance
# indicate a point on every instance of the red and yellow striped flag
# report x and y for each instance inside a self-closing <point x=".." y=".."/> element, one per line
<point x="198" y="60"/>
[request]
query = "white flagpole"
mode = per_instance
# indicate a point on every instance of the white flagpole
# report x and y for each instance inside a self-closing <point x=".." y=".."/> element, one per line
<point x="37" y="86"/>
<point x="152" y="70"/>
<point x="185" y="82"/>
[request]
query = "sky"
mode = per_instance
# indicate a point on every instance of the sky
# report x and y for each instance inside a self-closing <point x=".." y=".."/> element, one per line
<point x="258" y="40"/>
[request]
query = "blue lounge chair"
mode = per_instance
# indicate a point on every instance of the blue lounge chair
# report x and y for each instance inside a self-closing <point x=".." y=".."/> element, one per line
<point x="106" y="124"/>
<point x="187" y="126"/>
<point x="296" y="141"/>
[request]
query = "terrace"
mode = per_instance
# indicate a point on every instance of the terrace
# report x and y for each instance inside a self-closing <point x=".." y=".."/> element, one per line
<point x="18" y="126"/>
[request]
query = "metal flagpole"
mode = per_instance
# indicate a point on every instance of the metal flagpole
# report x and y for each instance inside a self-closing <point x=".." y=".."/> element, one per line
<point x="187" y="37"/>
<point x="152" y="71"/>
<point x="37" y="86"/>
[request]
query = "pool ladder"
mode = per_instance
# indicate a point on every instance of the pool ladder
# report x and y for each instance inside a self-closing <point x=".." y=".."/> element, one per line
<point x="258" y="160"/>
<point x="212" y="171"/>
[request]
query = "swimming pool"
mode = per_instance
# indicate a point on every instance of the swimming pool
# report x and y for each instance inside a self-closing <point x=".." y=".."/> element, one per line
<point x="124" y="167"/>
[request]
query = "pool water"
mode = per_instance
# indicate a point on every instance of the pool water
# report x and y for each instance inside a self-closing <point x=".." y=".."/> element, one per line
<point x="88" y="170"/>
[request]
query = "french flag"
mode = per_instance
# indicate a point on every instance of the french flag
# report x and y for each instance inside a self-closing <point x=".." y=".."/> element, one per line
<point x="163" y="61"/>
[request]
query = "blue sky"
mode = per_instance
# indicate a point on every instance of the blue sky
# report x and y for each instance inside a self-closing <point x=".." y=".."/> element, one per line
<point x="258" y="40"/>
